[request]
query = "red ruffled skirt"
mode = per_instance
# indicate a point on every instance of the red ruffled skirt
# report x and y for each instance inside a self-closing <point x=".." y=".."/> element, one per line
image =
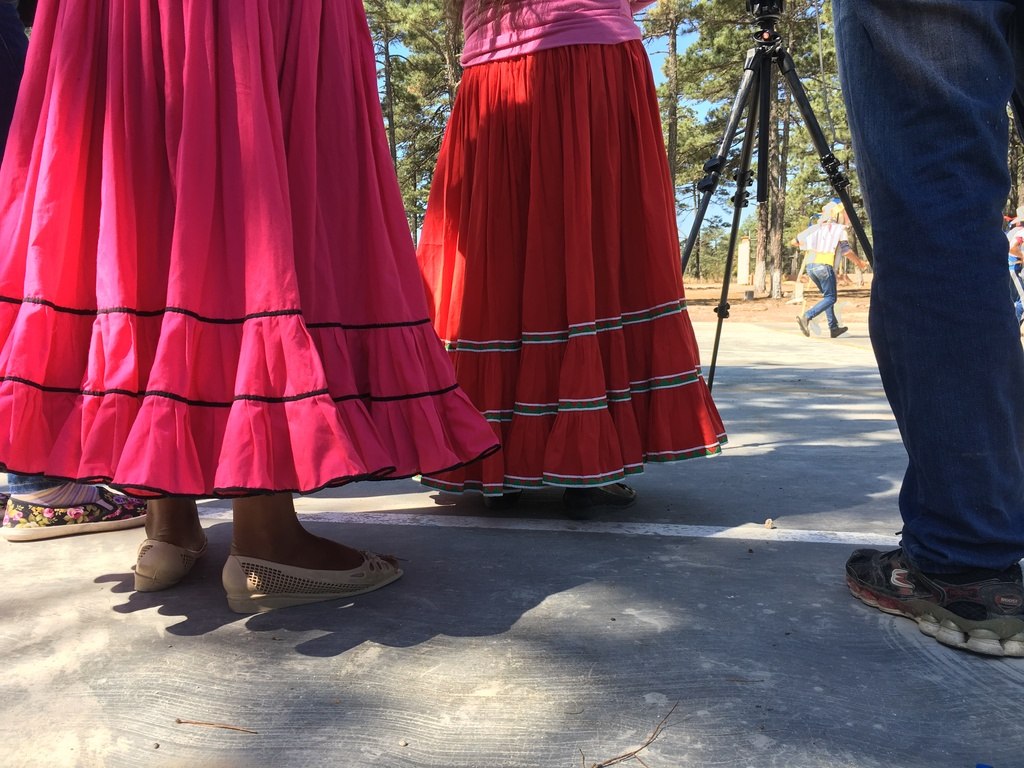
<point x="208" y="285"/>
<point x="551" y="260"/>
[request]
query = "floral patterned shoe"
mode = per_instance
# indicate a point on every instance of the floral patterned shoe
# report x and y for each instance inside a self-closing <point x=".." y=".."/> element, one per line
<point x="30" y="522"/>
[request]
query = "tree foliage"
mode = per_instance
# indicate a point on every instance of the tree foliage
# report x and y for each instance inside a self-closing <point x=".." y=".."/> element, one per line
<point x="700" y="47"/>
<point x="417" y="46"/>
<point x="714" y="39"/>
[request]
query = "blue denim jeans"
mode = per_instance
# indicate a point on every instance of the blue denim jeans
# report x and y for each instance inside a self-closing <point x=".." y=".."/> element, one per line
<point x="20" y="485"/>
<point x="1015" y="297"/>
<point x="825" y="278"/>
<point x="13" y="46"/>
<point x="926" y="84"/>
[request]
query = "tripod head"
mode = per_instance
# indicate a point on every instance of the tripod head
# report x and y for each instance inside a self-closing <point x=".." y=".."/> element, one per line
<point x="765" y="10"/>
<point x="766" y="15"/>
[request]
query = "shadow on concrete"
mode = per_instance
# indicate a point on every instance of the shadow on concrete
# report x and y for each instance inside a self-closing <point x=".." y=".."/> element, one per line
<point x="458" y="594"/>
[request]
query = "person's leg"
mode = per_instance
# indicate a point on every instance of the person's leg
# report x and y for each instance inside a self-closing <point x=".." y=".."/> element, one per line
<point x="827" y="284"/>
<point x="174" y="541"/>
<point x="823" y="276"/>
<point x="1017" y="292"/>
<point x="13" y="47"/>
<point x="174" y="520"/>
<point x="926" y="84"/>
<point x="27" y="11"/>
<point x="266" y="527"/>
<point x="276" y="563"/>
<point x="929" y="126"/>
<point x="1015" y="297"/>
<point x="27" y="485"/>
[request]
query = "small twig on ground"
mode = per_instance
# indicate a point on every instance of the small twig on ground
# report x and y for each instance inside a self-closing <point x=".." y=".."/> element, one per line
<point x="635" y="754"/>
<point x="179" y="721"/>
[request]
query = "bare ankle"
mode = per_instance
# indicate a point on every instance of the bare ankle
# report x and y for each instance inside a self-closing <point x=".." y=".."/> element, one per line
<point x="174" y="520"/>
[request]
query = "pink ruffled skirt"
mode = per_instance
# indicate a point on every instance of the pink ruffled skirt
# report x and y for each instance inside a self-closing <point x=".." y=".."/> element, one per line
<point x="209" y="287"/>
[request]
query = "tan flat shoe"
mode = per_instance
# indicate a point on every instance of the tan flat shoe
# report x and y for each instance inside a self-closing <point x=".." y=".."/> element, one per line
<point x="255" y="585"/>
<point x="161" y="565"/>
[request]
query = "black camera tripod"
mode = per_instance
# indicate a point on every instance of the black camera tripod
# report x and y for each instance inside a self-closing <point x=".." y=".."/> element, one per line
<point x="754" y="97"/>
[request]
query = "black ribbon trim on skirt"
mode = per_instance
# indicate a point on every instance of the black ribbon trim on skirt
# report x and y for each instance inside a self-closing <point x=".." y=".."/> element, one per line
<point x="227" y="404"/>
<point x="143" y="491"/>
<point x="204" y="319"/>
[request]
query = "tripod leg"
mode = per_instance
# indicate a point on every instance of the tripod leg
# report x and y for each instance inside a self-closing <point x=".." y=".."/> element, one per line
<point x="713" y="167"/>
<point x="739" y="203"/>
<point x="832" y="167"/>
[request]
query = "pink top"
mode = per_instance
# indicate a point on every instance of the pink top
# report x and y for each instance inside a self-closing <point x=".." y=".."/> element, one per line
<point x="526" y="26"/>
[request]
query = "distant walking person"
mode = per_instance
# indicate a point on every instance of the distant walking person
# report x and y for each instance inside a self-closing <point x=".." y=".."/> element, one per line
<point x="551" y="257"/>
<point x="824" y="242"/>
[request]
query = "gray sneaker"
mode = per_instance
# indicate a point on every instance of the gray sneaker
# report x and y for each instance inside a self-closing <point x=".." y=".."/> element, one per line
<point x="981" y="611"/>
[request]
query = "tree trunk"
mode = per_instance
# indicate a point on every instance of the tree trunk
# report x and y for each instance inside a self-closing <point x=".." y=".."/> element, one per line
<point x="673" y="99"/>
<point x="452" y="62"/>
<point x="778" y="177"/>
<point x="389" y="86"/>
<point x="765" y="210"/>
<point x="761" y="259"/>
<point x="672" y="118"/>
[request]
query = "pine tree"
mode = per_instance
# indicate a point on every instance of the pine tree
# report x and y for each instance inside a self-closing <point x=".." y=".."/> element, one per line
<point x="708" y="73"/>
<point x="706" y="41"/>
<point x="417" y="47"/>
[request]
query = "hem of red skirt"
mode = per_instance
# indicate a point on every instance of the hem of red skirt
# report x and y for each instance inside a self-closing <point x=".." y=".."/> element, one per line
<point x="513" y="483"/>
<point x="149" y="492"/>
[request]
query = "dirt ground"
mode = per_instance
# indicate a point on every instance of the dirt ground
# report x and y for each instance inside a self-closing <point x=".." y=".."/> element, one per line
<point x="702" y="298"/>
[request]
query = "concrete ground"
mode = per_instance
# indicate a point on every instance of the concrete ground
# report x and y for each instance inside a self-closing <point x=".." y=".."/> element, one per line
<point x="524" y="639"/>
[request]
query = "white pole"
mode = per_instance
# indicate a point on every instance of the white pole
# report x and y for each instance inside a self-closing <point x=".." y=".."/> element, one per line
<point x="743" y="262"/>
